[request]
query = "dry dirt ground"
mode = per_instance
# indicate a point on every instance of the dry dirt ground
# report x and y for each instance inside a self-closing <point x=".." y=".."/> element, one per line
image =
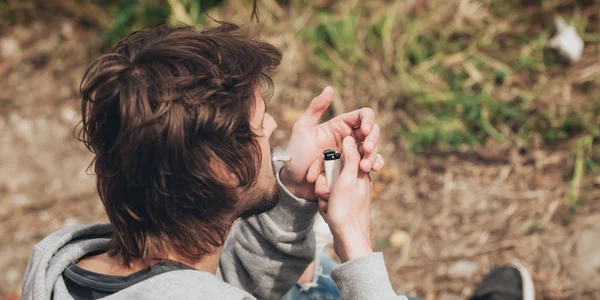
<point x="452" y="217"/>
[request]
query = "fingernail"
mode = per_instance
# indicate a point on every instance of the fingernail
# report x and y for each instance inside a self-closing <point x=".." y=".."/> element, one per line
<point x="349" y="141"/>
<point x="367" y="164"/>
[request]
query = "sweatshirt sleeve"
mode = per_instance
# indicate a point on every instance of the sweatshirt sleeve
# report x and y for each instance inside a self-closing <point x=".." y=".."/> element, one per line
<point x="364" y="278"/>
<point x="266" y="254"/>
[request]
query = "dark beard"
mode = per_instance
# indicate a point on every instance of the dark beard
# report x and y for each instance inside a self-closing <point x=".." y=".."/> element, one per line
<point x="264" y="205"/>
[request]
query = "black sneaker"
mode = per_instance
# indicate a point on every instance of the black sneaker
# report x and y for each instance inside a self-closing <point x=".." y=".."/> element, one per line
<point x="511" y="282"/>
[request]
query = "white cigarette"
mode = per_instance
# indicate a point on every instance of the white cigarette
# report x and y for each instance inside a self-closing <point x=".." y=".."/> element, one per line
<point x="281" y="156"/>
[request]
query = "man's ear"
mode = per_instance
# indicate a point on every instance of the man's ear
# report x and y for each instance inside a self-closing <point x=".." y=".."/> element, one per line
<point x="223" y="173"/>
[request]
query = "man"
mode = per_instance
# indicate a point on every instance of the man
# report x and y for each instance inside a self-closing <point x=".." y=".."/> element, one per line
<point x="180" y="132"/>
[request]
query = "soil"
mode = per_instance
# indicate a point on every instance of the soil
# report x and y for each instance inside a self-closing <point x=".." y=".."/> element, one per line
<point x="448" y="207"/>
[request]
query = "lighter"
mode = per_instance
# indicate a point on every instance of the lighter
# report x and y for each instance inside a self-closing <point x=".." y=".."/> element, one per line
<point x="333" y="166"/>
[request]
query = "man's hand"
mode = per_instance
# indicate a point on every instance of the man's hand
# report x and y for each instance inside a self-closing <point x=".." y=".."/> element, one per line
<point x="309" y="139"/>
<point x="347" y="207"/>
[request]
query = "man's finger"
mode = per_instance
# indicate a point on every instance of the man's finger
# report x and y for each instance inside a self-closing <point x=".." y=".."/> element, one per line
<point x="323" y="210"/>
<point x="363" y="118"/>
<point x="317" y="107"/>
<point x="379" y="163"/>
<point x="314" y="170"/>
<point x="351" y="158"/>
<point x="372" y="139"/>
<point x="369" y="147"/>
<point x="358" y="134"/>
<point x="321" y="187"/>
<point x="368" y="160"/>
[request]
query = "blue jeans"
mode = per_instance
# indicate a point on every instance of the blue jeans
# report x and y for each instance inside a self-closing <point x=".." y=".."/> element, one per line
<point x="324" y="288"/>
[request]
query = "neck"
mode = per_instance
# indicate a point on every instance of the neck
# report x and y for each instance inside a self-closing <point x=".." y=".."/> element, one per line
<point x="109" y="265"/>
<point x="208" y="263"/>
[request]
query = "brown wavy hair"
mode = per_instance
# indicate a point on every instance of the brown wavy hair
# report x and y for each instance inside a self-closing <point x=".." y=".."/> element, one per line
<point x="157" y="111"/>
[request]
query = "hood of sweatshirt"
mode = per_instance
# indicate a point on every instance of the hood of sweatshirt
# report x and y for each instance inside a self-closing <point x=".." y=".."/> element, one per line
<point x="44" y="279"/>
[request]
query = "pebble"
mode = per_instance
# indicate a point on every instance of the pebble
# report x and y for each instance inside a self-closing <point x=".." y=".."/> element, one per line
<point x="21" y="200"/>
<point x="67" y="30"/>
<point x="463" y="269"/>
<point x="68" y="114"/>
<point x="44" y="216"/>
<point x="9" y="47"/>
<point x="71" y="221"/>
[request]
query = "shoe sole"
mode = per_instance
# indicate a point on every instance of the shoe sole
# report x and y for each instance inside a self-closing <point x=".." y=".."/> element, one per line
<point x="528" y="287"/>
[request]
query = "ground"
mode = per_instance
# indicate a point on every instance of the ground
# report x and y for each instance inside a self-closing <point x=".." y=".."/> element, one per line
<point x="442" y="220"/>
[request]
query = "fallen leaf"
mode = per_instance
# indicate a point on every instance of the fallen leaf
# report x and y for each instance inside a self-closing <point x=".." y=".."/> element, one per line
<point x="399" y="238"/>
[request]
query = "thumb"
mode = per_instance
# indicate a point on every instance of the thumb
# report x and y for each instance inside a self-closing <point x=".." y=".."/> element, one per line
<point x="351" y="158"/>
<point x="317" y="107"/>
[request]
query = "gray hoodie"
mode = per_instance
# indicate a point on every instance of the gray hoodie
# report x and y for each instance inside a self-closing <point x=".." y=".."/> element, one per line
<point x="263" y="258"/>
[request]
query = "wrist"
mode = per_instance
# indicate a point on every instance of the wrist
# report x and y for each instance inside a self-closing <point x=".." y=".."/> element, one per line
<point x="352" y="247"/>
<point x="351" y="244"/>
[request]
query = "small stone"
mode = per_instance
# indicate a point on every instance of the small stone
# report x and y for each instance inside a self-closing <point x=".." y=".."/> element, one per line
<point x="463" y="269"/>
<point x="44" y="216"/>
<point x="68" y="114"/>
<point x="21" y="200"/>
<point x="71" y="221"/>
<point x="9" y="47"/>
<point x="67" y="30"/>
<point x="399" y="238"/>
